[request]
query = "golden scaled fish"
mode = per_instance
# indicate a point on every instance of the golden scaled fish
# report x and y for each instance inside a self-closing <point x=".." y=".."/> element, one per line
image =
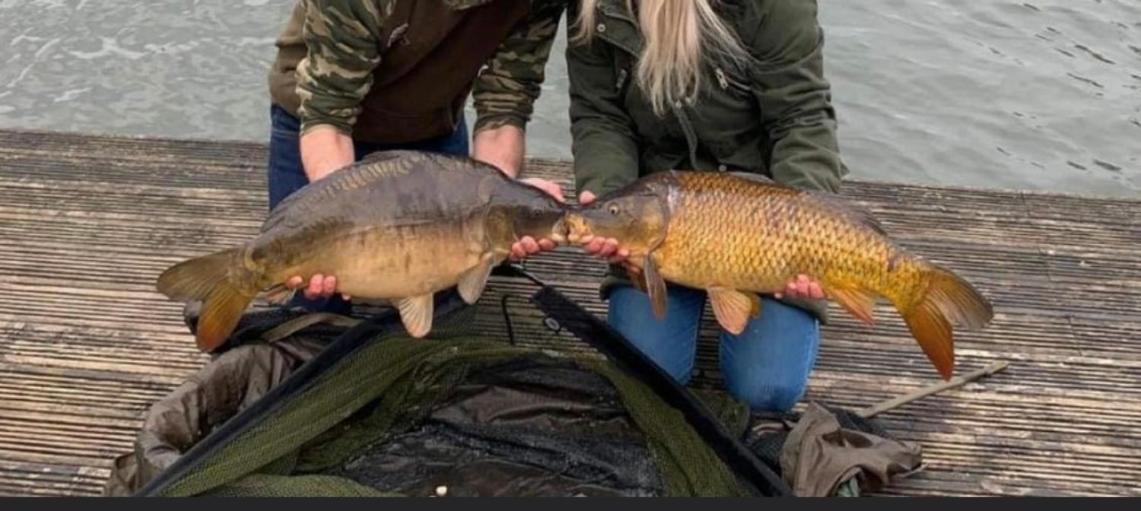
<point x="736" y="234"/>
<point x="398" y="226"/>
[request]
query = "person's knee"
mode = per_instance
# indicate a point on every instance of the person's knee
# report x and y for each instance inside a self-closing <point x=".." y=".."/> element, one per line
<point x="678" y="368"/>
<point x="769" y="365"/>
<point x="669" y="342"/>
<point x="763" y="393"/>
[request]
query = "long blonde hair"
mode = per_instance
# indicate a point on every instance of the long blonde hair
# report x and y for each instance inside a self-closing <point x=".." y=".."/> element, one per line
<point x="678" y="35"/>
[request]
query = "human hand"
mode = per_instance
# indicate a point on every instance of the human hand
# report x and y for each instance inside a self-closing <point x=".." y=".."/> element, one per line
<point x="600" y="247"/>
<point x="527" y="245"/>
<point x="552" y="188"/>
<point x="802" y="287"/>
<point x="319" y="286"/>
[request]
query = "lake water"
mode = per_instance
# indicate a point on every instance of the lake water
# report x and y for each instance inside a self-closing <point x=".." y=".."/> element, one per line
<point x="1037" y="95"/>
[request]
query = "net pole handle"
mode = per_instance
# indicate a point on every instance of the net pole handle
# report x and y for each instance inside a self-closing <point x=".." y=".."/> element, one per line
<point x="958" y="381"/>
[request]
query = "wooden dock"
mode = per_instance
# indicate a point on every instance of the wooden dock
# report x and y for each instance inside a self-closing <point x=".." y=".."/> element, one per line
<point x="86" y="344"/>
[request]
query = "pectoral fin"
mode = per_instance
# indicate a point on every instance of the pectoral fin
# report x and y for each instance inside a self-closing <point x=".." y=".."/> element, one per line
<point x="857" y="302"/>
<point x="638" y="279"/>
<point x="473" y="282"/>
<point x="733" y="308"/>
<point x="655" y="286"/>
<point x="279" y="294"/>
<point x="416" y="314"/>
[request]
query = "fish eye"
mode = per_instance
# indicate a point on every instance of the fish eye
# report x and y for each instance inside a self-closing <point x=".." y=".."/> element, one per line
<point x="613" y="209"/>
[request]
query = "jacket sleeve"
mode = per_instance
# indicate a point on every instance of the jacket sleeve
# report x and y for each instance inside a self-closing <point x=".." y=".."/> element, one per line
<point x="505" y="92"/>
<point x="343" y="50"/>
<point x="795" y="98"/>
<point x="604" y="146"/>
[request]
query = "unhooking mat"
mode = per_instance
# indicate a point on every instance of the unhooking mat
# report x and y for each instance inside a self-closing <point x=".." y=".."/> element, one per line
<point x="282" y="413"/>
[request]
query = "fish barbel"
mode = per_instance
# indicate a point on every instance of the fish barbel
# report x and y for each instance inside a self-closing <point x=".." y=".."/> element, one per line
<point x="735" y="235"/>
<point x="397" y="226"/>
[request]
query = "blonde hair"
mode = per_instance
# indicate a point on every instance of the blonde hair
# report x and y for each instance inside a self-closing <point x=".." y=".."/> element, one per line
<point x="678" y="36"/>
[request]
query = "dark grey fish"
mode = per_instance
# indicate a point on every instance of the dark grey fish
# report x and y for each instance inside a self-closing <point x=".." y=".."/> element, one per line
<point x="397" y="226"/>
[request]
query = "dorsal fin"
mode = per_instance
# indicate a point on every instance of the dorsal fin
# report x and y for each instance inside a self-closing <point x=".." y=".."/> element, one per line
<point x="383" y="155"/>
<point x="855" y="212"/>
<point x="838" y="203"/>
<point x="279" y="212"/>
<point x="753" y="176"/>
<point x="372" y="167"/>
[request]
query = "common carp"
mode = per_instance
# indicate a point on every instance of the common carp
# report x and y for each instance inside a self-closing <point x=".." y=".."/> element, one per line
<point x="736" y="234"/>
<point x="397" y="226"/>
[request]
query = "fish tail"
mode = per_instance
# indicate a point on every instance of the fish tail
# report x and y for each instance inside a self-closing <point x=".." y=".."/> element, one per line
<point x="211" y="278"/>
<point x="946" y="300"/>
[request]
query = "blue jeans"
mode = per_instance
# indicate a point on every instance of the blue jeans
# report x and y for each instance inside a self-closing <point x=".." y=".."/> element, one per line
<point x="286" y="175"/>
<point x="767" y="366"/>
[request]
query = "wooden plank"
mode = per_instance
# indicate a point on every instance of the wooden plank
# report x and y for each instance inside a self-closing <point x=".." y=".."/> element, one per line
<point x="42" y="479"/>
<point x="86" y="344"/>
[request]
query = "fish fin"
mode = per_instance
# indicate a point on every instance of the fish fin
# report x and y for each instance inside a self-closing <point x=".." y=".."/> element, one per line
<point x="753" y="176"/>
<point x="416" y="314"/>
<point x="195" y="278"/>
<point x="837" y="203"/>
<point x="733" y="308"/>
<point x="848" y="209"/>
<point x="220" y="315"/>
<point x="473" y="281"/>
<point x="279" y="294"/>
<point x="948" y="299"/>
<point x="207" y="278"/>
<point x="655" y="286"/>
<point x="638" y="279"/>
<point x="858" y="302"/>
<point x="854" y="212"/>
<point x="376" y="156"/>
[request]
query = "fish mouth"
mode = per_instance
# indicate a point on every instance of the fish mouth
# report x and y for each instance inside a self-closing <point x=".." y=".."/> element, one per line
<point x="577" y="229"/>
<point x="560" y="231"/>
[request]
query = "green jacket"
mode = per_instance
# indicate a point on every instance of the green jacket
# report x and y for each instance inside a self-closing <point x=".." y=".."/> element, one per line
<point x="772" y="117"/>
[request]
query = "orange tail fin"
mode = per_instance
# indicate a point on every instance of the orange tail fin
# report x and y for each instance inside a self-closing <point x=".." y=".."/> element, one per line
<point x="947" y="300"/>
<point x="208" y="278"/>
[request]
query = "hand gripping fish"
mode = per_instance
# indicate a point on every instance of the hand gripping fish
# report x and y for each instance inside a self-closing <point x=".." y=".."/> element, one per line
<point x="397" y="226"/>
<point x="736" y="234"/>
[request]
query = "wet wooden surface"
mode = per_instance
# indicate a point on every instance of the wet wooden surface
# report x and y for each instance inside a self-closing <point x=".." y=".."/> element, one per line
<point x="86" y="344"/>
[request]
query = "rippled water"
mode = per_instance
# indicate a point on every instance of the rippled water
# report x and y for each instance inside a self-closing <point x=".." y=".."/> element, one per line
<point x="1042" y="95"/>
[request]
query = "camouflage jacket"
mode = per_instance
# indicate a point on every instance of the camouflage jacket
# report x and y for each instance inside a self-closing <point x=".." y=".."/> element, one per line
<point x="336" y="58"/>
<point x="772" y="116"/>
